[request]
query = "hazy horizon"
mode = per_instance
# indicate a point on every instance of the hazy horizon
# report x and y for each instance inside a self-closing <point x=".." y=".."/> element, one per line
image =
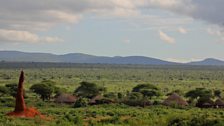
<point x="172" y="30"/>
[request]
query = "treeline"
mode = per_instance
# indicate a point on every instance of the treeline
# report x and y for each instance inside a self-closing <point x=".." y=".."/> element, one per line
<point x="141" y="95"/>
<point x="5" y="64"/>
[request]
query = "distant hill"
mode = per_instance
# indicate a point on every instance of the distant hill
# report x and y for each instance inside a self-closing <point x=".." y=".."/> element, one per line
<point x="208" y="61"/>
<point x="16" y="56"/>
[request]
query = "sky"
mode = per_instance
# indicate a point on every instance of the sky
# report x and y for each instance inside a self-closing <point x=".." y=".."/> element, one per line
<point x="173" y="30"/>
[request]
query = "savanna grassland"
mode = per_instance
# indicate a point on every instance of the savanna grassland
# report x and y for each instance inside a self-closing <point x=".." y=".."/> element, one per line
<point x="117" y="79"/>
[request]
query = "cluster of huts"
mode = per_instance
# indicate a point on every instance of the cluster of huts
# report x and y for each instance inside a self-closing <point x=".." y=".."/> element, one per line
<point x="71" y="99"/>
<point x="172" y="100"/>
<point x="175" y="99"/>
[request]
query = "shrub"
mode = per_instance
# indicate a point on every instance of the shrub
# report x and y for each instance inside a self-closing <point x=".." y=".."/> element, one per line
<point x="3" y="91"/>
<point x="104" y="101"/>
<point x="139" y="102"/>
<point x="111" y="95"/>
<point x="81" y="102"/>
<point x="195" y="121"/>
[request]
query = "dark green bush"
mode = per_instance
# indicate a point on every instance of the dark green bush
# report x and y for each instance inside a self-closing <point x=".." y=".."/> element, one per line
<point x="81" y="102"/>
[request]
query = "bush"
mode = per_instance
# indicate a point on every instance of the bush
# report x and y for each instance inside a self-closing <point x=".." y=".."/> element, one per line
<point x="3" y="90"/>
<point x="111" y="95"/>
<point x="156" y="102"/>
<point x="81" y="102"/>
<point x="140" y="103"/>
<point x="195" y="121"/>
<point x="12" y="88"/>
<point x="180" y="121"/>
<point x="104" y="101"/>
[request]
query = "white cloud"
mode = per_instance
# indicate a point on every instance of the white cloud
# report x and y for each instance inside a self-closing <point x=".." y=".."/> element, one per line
<point x="70" y="11"/>
<point x="25" y="36"/>
<point x="216" y="31"/>
<point x="183" y="60"/>
<point x="166" y="38"/>
<point x="38" y="15"/>
<point x="182" y="30"/>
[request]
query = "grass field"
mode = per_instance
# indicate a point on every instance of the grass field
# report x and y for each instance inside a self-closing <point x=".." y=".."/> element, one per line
<point x="116" y="78"/>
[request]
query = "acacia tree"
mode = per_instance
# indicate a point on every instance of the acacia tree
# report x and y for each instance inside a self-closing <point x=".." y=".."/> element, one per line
<point x="135" y="96"/>
<point x="139" y="87"/>
<point x="199" y="93"/>
<point x="147" y="90"/>
<point x="45" y="89"/>
<point x="88" y="90"/>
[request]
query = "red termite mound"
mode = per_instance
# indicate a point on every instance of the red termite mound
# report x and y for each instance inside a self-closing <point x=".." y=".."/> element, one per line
<point x="20" y="109"/>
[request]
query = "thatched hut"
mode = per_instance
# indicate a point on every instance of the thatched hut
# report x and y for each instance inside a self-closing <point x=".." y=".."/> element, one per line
<point x="100" y="100"/>
<point x="95" y="99"/>
<point x="66" y="98"/>
<point x="219" y="103"/>
<point x="175" y="99"/>
<point x="205" y="103"/>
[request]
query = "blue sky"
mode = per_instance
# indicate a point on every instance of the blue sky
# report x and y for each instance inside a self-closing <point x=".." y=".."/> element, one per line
<point x="174" y="30"/>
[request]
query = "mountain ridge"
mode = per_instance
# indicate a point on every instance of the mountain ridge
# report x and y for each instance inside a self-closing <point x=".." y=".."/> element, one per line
<point x="19" y="56"/>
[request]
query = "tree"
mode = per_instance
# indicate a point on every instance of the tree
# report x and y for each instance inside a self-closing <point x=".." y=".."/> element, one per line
<point x="150" y="93"/>
<point x="199" y="92"/>
<point x="147" y="90"/>
<point x="88" y="90"/>
<point x="3" y="91"/>
<point x="135" y="96"/>
<point x="139" y="87"/>
<point x="45" y="89"/>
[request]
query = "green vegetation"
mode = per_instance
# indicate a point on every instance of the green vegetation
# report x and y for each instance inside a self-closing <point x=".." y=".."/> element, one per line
<point x="88" y="90"/>
<point x="128" y="92"/>
<point x="147" y="90"/>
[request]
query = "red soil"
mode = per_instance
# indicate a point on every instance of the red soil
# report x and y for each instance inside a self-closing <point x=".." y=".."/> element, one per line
<point x="20" y="109"/>
<point x="27" y="113"/>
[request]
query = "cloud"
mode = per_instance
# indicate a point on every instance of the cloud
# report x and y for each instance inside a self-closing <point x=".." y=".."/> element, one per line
<point x="39" y="15"/>
<point x="206" y="10"/>
<point x="25" y="36"/>
<point x="182" y="30"/>
<point x="30" y="17"/>
<point x="51" y="12"/>
<point x="42" y="15"/>
<point x="216" y="31"/>
<point x="183" y="60"/>
<point x="166" y="38"/>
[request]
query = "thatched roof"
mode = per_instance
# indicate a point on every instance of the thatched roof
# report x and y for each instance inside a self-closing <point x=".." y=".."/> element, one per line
<point x="94" y="99"/>
<point x="65" y="98"/>
<point x="175" y="99"/>
<point x="219" y="102"/>
<point x="205" y="102"/>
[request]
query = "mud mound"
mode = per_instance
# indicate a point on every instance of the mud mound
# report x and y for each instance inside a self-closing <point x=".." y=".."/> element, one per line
<point x="20" y="109"/>
<point x="28" y="112"/>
